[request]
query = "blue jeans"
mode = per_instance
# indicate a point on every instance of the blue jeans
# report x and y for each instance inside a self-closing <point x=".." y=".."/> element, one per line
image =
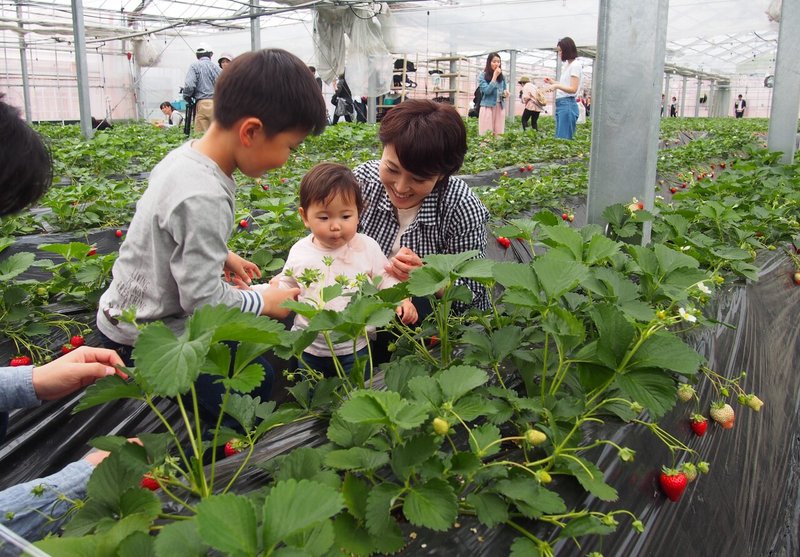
<point x="566" y="117"/>
<point x="326" y="366"/>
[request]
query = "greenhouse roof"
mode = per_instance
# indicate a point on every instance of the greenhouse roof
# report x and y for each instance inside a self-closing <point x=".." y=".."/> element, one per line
<point x="713" y="36"/>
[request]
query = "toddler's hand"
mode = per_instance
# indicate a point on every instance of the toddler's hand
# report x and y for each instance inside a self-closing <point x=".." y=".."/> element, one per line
<point x="274" y="297"/>
<point x="407" y="312"/>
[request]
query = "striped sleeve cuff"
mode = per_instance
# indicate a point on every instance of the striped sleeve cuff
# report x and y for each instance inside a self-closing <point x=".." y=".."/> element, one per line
<point x="252" y="302"/>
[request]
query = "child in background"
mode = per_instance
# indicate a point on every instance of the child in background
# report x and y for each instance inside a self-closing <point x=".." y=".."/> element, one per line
<point x="330" y="204"/>
<point x="176" y="249"/>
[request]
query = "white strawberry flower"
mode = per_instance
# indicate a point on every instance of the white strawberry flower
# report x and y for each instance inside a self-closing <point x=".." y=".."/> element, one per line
<point x="687" y="316"/>
<point x="686" y="248"/>
<point x="701" y="286"/>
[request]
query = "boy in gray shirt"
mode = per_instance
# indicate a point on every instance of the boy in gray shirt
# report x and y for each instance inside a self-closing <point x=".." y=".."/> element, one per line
<point x="175" y="251"/>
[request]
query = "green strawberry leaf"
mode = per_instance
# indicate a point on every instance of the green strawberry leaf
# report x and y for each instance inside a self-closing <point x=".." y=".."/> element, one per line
<point x="492" y="509"/>
<point x="433" y="505"/>
<point x="228" y="523"/>
<point x="292" y="506"/>
<point x="180" y="538"/>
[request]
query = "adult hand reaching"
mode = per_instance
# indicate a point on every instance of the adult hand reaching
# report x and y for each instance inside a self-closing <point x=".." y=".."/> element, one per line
<point x="239" y="270"/>
<point x="401" y="265"/>
<point x="81" y="367"/>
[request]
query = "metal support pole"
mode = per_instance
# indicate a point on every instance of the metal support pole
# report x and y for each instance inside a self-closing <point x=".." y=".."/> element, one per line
<point x="82" y="68"/>
<point x="712" y="99"/>
<point x="786" y="93"/>
<point x="697" y="98"/>
<point x="255" y="26"/>
<point x="512" y="88"/>
<point x="683" y="97"/>
<point x="626" y="119"/>
<point x="666" y="96"/>
<point x="23" y="62"/>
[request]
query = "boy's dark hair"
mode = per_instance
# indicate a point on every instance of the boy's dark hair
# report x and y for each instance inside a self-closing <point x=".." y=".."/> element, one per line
<point x="568" y="49"/>
<point x="430" y="138"/>
<point x="166" y="104"/>
<point x="327" y="180"/>
<point x="488" y="72"/>
<point x="26" y="169"/>
<point x="274" y="86"/>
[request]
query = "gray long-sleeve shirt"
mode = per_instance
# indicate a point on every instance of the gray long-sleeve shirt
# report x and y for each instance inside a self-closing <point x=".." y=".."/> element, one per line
<point x="175" y="249"/>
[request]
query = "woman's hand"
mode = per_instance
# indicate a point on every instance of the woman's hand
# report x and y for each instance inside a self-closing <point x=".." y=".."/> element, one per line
<point x="75" y="370"/>
<point x="401" y="265"/>
<point x="239" y="270"/>
<point x="497" y="72"/>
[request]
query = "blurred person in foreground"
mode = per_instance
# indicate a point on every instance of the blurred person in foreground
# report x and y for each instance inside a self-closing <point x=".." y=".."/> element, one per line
<point x="25" y="175"/>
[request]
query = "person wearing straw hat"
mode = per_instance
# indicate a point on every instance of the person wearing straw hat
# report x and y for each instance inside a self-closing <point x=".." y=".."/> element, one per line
<point x="533" y="100"/>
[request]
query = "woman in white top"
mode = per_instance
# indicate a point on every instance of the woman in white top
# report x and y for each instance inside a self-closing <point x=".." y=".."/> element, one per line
<point x="567" y="88"/>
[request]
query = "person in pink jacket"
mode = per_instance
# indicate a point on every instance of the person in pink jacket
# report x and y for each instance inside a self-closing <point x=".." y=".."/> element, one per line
<point x="534" y="100"/>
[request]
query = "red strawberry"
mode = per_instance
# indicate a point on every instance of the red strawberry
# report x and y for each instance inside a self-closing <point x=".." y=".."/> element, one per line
<point x="699" y="424"/>
<point x="234" y="446"/>
<point x="149" y="482"/>
<point x="20" y="361"/>
<point x="118" y="233"/>
<point x="723" y="414"/>
<point x="503" y="241"/>
<point x="434" y="340"/>
<point x="713" y="166"/>
<point x="640" y="205"/>
<point x="283" y="180"/>
<point x="684" y="185"/>
<point x="77" y="340"/>
<point x="722" y="165"/>
<point x="530" y="167"/>
<point x="92" y="251"/>
<point x="673" y="189"/>
<point x="673" y="483"/>
<point x="522" y="169"/>
<point x="67" y="348"/>
<point x="564" y="216"/>
<point x="265" y="187"/>
<point x="243" y="223"/>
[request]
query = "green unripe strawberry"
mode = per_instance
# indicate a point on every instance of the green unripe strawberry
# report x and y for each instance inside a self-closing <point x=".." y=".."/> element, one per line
<point x="638" y="526"/>
<point x="440" y="426"/>
<point x="690" y="471"/>
<point x="754" y="403"/>
<point x="544" y="477"/>
<point x="626" y="454"/>
<point x="686" y="392"/>
<point x="703" y="467"/>
<point x="535" y="437"/>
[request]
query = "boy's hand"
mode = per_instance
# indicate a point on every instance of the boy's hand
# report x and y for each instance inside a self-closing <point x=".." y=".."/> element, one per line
<point x="239" y="270"/>
<point x="407" y="312"/>
<point x="401" y="265"/>
<point x="274" y="297"/>
<point x="81" y="367"/>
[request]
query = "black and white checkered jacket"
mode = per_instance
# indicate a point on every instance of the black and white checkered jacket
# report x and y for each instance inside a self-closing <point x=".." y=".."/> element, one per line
<point x="450" y="220"/>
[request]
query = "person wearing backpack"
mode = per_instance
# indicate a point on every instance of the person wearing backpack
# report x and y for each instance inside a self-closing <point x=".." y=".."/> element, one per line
<point x="534" y="101"/>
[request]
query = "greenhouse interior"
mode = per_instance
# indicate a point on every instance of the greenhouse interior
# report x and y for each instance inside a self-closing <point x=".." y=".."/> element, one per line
<point x="440" y="277"/>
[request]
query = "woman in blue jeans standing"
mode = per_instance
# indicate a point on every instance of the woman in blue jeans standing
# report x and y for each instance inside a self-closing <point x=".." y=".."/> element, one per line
<point x="567" y="88"/>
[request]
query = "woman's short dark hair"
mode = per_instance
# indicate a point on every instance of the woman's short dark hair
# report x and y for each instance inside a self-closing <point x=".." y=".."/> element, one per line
<point x="488" y="72"/>
<point x="26" y="169"/>
<point x="274" y="86"/>
<point x="430" y="138"/>
<point x="568" y="49"/>
<point x="327" y="180"/>
<point x="166" y="104"/>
